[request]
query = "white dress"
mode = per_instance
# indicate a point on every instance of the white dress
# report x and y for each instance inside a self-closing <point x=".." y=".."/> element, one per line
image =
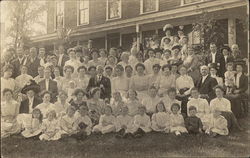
<point x="177" y="123"/>
<point x="163" y="85"/>
<point x="142" y="122"/>
<point x="184" y="82"/>
<point x="50" y="130"/>
<point x="60" y="108"/>
<point x="140" y="84"/>
<point x="126" y="121"/>
<point x="150" y="103"/>
<point x="132" y="106"/>
<point x="22" y="80"/>
<point x="33" y="129"/>
<point x="120" y="84"/>
<point x="67" y="125"/>
<point x="106" y="124"/>
<point x="168" y="103"/>
<point x="149" y="64"/>
<point x="203" y="110"/>
<point x="218" y="125"/>
<point x="7" y="83"/>
<point x="45" y="108"/>
<point x="160" y="122"/>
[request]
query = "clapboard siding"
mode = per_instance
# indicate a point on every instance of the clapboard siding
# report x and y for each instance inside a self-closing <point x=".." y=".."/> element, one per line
<point x="168" y="4"/>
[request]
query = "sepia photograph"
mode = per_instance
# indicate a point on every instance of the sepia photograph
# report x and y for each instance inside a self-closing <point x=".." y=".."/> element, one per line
<point x="124" y="78"/>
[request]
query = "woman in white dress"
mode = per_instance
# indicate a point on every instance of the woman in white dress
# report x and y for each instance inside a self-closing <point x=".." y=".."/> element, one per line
<point x="9" y="111"/>
<point x="61" y="105"/>
<point x="46" y="105"/>
<point x="125" y="59"/>
<point x="139" y="82"/>
<point x="95" y="59"/>
<point x="111" y="61"/>
<point x="22" y="79"/>
<point x="6" y="80"/>
<point x="103" y="56"/>
<point x="82" y="79"/>
<point x="68" y="70"/>
<point x="161" y="83"/>
<point x="213" y="73"/>
<point x="73" y="61"/>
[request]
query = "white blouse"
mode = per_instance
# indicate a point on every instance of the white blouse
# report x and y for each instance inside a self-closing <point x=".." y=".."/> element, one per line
<point x="184" y="82"/>
<point x="221" y="104"/>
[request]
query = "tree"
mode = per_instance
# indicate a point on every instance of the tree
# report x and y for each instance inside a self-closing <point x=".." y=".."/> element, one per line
<point x="23" y="15"/>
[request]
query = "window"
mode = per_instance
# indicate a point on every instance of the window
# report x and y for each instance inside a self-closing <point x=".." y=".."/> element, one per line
<point x="147" y="6"/>
<point x="59" y="17"/>
<point x="83" y="12"/>
<point x="113" y="9"/>
<point x="184" y="2"/>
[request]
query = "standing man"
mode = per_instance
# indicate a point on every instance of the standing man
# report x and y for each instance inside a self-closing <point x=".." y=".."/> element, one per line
<point x="216" y="57"/>
<point x="99" y="80"/>
<point x="33" y="62"/>
<point x="206" y="84"/>
<point x="62" y="58"/>
<point x="21" y="60"/>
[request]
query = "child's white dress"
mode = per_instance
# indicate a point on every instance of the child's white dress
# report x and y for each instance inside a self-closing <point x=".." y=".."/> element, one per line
<point x="86" y="120"/>
<point x="177" y="123"/>
<point x="50" y="130"/>
<point x="133" y="107"/>
<point x="218" y="125"/>
<point x="106" y="124"/>
<point x="160" y="122"/>
<point x="127" y="121"/>
<point x="67" y="125"/>
<point x="33" y="129"/>
<point x="142" y="122"/>
<point x="229" y="78"/>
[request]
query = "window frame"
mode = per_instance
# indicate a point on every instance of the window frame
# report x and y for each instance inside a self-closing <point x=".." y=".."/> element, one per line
<point x="183" y="4"/>
<point x="55" y="14"/>
<point x="156" y="7"/>
<point x="79" y="11"/>
<point x="107" y="11"/>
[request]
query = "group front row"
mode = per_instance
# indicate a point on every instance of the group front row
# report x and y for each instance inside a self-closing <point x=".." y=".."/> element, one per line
<point x="78" y="123"/>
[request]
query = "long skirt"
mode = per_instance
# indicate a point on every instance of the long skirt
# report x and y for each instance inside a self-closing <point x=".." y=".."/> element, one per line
<point x="232" y="122"/>
<point x="178" y="128"/>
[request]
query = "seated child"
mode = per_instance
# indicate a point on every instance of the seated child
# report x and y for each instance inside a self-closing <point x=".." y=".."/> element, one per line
<point x="142" y="123"/>
<point x="71" y="90"/>
<point x="167" y="44"/>
<point x="218" y="125"/>
<point x="132" y="102"/>
<point x="192" y="122"/>
<point x="176" y="120"/>
<point x="34" y="127"/>
<point x="229" y="75"/>
<point x="160" y="119"/>
<point x="124" y="123"/>
<point x="67" y="122"/>
<point x="50" y="127"/>
<point x="116" y="103"/>
<point x="106" y="122"/>
<point x="83" y="123"/>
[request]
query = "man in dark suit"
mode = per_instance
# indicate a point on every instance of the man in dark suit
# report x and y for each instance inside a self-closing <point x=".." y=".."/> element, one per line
<point x="206" y="84"/>
<point x="32" y="100"/>
<point x="49" y="85"/>
<point x="62" y="58"/>
<point x="216" y="57"/>
<point x="21" y="60"/>
<point x="33" y="62"/>
<point x="102" y="82"/>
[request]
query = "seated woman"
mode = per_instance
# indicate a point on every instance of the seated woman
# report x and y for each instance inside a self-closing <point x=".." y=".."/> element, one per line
<point x="201" y="105"/>
<point x="46" y="105"/>
<point x="132" y="103"/>
<point x="213" y="72"/>
<point x="184" y="83"/>
<point x="224" y="105"/>
<point x="82" y="79"/>
<point x="79" y="99"/>
<point x="117" y="103"/>
<point x="139" y="82"/>
<point x="68" y="70"/>
<point x="161" y="83"/>
<point x="170" y="99"/>
<point x="95" y="105"/>
<point x="6" y="81"/>
<point x="22" y="79"/>
<point x="9" y="111"/>
<point x="151" y="100"/>
<point x="61" y="105"/>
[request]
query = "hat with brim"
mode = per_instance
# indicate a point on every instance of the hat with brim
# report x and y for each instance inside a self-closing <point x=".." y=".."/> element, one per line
<point x="239" y="62"/>
<point x="31" y="85"/>
<point x="168" y="27"/>
<point x="176" y="47"/>
<point x="225" y="47"/>
<point x="213" y="65"/>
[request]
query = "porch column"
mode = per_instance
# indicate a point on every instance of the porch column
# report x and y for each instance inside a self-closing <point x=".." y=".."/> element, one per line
<point x="231" y="31"/>
<point x="120" y="41"/>
<point x="106" y="41"/>
<point x="138" y="37"/>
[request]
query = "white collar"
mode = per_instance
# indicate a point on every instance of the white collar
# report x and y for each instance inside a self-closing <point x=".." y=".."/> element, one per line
<point x="204" y="76"/>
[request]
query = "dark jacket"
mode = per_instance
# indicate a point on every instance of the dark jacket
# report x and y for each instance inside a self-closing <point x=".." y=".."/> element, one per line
<point x="24" y="107"/>
<point x="33" y="67"/>
<point x="243" y="84"/>
<point x="16" y="64"/>
<point x="52" y="89"/>
<point x="104" y="84"/>
<point x="207" y="87"/>
<point x="219" y="58"/>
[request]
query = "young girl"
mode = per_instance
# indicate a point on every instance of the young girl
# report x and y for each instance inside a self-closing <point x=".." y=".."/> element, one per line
<point x="71" y="90"/>
<point x="124" y="123"/>
<point x="160" y="119"/>
<point x="106" y="122"/>
<point x="132" y="103"/>
<point x="34" y="127"/>
<point x="116" y="103"/>
<point x="61" y="105"/>
<point x="229" y="75"/>
<point x="50" y="128"/>
<point x="218" y="125"/>
<point x="192" y="122"/>
<point x="142" y="123"/>
<point x="67" y="122"/>
<point x="176" y="120"/>
<point x="83" y="123"/>
<point x="167" y="44"/>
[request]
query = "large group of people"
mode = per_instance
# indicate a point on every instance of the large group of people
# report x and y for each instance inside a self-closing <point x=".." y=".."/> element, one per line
<point x="168" y="88"/>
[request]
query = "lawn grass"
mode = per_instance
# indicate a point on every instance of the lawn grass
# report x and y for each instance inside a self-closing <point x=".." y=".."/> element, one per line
<point x="151" y="145"/>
